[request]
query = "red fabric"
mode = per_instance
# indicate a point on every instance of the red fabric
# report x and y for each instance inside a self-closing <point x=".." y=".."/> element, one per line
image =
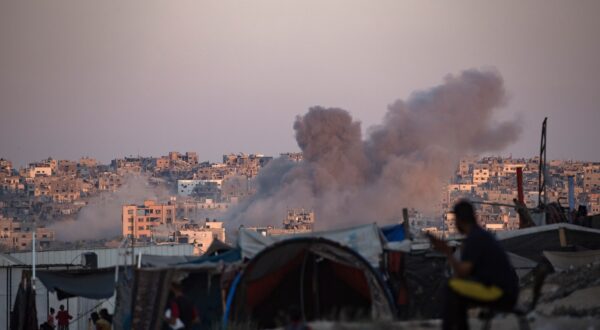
<point x="354" y="277"/>
<point x="174" y="310"/>
<point x="63" y="317"/>
<point x="394" y="262"/>
<point x="259" y="289"/>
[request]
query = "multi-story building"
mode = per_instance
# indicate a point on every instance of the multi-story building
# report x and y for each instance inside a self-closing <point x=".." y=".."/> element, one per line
<point x="200" y="188"/>
<point x="109" y="181"/>
<point x="481" y="174"/>
<point x="189" y="157"/>
<point x="292" y="156"/>
<point x="139" y="221"/>
<point x="201" y="236"/>
<point x="87" y="162"/>
<point x="15" y="235"/>
<point x="591" y="178"/>
<point x="39" y="169"/>
<point x="5" y="166"/>
<point x="299" y="220"/>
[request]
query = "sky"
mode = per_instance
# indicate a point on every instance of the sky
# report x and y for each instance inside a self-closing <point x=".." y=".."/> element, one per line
<point x="107" y="79"/>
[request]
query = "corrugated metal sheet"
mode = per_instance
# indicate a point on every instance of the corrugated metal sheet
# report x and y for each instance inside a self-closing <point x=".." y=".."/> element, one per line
<point x="107" y="257"/>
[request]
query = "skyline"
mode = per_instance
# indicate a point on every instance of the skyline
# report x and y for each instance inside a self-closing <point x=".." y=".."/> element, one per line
<point x="107" y="80"/>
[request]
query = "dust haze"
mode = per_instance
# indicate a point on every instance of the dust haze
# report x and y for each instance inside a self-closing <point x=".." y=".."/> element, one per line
<point x="403" y="162"/>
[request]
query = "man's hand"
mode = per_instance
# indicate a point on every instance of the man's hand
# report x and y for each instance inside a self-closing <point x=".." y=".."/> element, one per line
<point x="439" y="244"/>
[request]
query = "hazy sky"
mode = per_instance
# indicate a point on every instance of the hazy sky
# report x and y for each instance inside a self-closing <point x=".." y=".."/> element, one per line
<point x="113" y="78"/>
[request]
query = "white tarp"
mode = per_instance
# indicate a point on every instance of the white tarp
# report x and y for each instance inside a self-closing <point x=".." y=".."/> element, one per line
<point x="363" y="239"/>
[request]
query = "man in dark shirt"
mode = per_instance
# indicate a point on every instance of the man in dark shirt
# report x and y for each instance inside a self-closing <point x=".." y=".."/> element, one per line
<point x="483" y="276"/>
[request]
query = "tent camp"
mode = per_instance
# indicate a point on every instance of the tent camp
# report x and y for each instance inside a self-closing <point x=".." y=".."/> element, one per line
<point x="321" y="278"/>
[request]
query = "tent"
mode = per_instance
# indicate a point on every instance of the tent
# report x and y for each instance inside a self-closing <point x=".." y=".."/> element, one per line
<point x="322" y="278"/>
<point x="365" y="239"/>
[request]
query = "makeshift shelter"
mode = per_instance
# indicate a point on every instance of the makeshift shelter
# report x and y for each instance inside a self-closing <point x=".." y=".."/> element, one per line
<point x="532" y="242"/>
<point x="322" y="278"/>
<point x="93" y="284"/>
<point x="203" y="280"/>
<point x="366" y="240"/>
<point x="217" y="247"/>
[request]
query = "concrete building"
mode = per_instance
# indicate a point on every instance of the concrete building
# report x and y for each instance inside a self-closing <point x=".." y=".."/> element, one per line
<point x="16" y="236"/>
<point x="5" y="166"/>
<point x="87" y="162"/>
<point x="481" y="174"/>
<point x="591" y="178"/>
<point x="201" y="236"/>
<point x="299" y="220"/>
<point x="39" y="169"/>
<point x="189" y="157"/>
<point x="200" y="188"/>
<point x="140" y="220"/>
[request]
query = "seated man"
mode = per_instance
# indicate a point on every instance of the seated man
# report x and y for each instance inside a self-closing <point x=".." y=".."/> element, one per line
<point x="483" y="276"/>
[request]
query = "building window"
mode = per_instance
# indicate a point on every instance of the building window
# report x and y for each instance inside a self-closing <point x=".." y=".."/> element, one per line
<point x="129" y="211"/>
<point x="141" y="228"/>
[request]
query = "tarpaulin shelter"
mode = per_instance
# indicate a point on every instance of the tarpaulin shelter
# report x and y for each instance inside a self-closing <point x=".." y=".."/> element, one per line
<point x="532" y="242"/>
<point x="87" y="283"/>
<point x="366" y="240"/>
<point x="322" y="278"/>
<point x="201" y="278"/>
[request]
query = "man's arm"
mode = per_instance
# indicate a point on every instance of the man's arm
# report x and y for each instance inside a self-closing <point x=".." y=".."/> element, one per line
<point x="461" y="268"/>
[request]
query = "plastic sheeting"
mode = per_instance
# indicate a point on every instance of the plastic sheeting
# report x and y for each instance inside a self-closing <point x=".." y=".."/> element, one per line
<point x="363" y="239"/>
<point x="92" y="284"/>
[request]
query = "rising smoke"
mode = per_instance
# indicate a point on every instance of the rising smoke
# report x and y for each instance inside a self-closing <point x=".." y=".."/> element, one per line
<point x="403" y="162"/>
<point x="101" y="217"/>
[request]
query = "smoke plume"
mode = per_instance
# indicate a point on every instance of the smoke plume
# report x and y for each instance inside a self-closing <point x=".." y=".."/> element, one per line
<point x="101" y="217"/>
<point x="403" y="162"/>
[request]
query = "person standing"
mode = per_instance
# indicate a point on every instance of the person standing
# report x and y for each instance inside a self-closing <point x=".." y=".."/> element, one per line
<point x="181" y="310"/>
<point x="482" y="277"/>
<point x="50" y="320"/>
<point x="62" y="318"/>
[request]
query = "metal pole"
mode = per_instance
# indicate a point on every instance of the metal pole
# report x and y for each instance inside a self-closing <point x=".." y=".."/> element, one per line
<point x="571" y="197"/>
<point x="520" y="196"/>
<point x="33" y="261"/>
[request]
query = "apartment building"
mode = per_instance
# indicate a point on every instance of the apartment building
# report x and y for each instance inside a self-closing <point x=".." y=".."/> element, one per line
<point x="15" y="235"/>
<point x="139" y="221"/>
<point x="189" y="157"/>
<point x="591" y="178"/>
<point x="201" y="236"/>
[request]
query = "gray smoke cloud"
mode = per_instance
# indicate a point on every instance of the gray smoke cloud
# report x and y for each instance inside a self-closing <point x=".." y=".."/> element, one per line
<point x="101" y="217"/>
<point x="403" y="162"/>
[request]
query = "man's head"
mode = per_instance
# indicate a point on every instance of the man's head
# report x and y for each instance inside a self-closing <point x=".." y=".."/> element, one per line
<point x="62" y="307"/>
<point x="465" y="216"/>
<point x="51" y="310"/>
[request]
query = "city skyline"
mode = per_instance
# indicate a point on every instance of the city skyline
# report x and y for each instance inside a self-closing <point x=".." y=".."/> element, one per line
<point x="217" y="76"/>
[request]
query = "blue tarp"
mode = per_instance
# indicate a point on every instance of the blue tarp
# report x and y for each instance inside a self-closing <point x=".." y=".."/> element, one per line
<point x="232" y="255"/>
<point x="393" y="233"/>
